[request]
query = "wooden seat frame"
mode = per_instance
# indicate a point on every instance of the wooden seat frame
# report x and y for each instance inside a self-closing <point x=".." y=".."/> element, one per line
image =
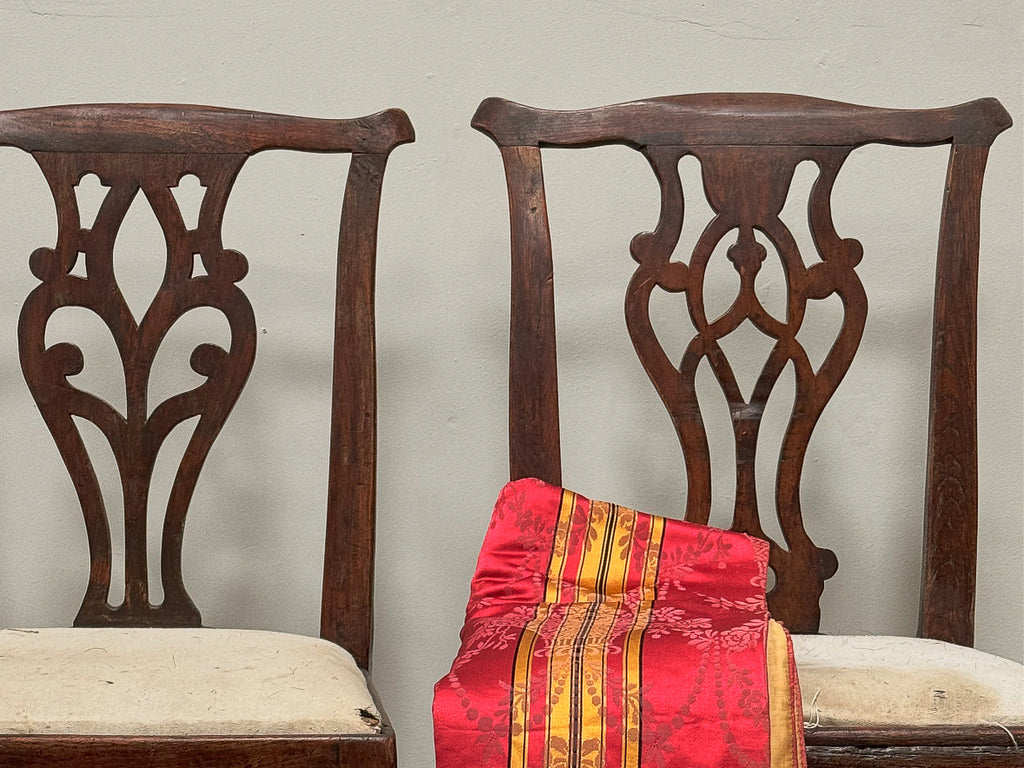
<point x="135" y="150"/>
<point x="748" y="146"/>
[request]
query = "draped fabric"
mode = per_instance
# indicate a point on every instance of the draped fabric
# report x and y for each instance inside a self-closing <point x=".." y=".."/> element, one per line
<point x="601" y="637"/>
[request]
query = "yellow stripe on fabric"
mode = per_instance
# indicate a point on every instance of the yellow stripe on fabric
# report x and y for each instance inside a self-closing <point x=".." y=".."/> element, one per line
<point x="622" y="524"/>
<point x="625" y="545"/>
<point x="621" y="546"/>
<point x="559" y="547"/>
<point x="780" y="700"/>
<point x="563" y="694"/>
<point x="652" y="559"/>
<point x="567" y="713"/>
<point x="595" y="552"/>
<point x="577" y="662"/>
<point x="520" y="714"/>
<point x="555" y="676"/>
<point x="522" y="671"/>
<point x="633" y="645"/>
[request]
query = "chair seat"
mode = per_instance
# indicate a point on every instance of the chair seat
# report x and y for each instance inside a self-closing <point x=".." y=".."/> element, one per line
<point x="177" y="682"/>
<point x="877" y="681"/>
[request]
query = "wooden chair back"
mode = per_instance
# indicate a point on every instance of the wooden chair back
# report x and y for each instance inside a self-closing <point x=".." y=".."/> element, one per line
<point x="145" y="150"/>
<point x="748" y="146"/>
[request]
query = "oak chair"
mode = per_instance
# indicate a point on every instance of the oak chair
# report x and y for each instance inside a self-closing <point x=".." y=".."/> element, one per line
<point x="140" y="682"/>
<point x="748" y="146"/>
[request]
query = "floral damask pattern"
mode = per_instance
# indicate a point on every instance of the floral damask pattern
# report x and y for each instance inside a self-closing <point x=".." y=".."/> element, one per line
<point x="600" y="637"/>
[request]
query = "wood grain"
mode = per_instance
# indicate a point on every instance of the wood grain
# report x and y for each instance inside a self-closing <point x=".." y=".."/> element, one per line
<point x="744" y="119"/>
<point x="914" y="757"/>
<point x="198" y="751"/>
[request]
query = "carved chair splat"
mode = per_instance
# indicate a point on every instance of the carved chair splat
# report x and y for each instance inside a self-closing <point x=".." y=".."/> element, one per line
<point x="748" y="146"/>
<point x="139" y="151"/>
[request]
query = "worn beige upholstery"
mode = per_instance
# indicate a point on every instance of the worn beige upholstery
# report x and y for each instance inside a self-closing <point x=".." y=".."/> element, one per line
<point x="179" y="682"/>
<point x="880" y="681"/>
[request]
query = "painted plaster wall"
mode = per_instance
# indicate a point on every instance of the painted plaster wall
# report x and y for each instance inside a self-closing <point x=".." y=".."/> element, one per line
<point x="254" y="538"/>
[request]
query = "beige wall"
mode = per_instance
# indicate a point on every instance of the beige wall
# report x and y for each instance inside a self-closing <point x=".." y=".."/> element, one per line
<point x="442" y="285"/>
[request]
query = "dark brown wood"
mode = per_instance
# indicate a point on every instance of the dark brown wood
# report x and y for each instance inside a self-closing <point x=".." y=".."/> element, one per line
<point x="346" y="615"/>
<point x="935" y="736"/>
<point x="765" y="172"/>
<point x="136" y="436"/>
<point x="198" y="751"/>
<point x="144" y="151"/>
<point x="951" y="490"/>
<point x="189" y="129"/>
<point x="745" y="119"/>
<point x="914" y="757"/>
<point x="533" y="382"/>
<point x="748" y="146"/>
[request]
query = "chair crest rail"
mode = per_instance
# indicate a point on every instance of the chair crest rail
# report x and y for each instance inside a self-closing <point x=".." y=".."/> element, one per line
<point x="190" y="129"/>
<point x="738" y="118"/>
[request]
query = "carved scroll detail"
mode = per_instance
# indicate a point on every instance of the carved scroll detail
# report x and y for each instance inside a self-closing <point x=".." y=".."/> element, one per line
<point x="747" y="189"/>
<point x="136" y="436"/>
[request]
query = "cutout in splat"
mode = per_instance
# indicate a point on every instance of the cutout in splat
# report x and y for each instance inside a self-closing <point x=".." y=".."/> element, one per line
<point x="172" y="373"/>
<point x="721" y="283"/>
<point x="721" y="449"/>
<point x="794" y="212"/>
<point x="671" y="323"/>
<point x="78" y="269"/>
<point x="770" y="440"/>
<point x="101" y="373"/>
<point x="746" y="352"/>
<point x="165" y="469"/>
<point x="139" y="257"/>
<point x="696" y="211"/>
<point x="823" y="320"/>
<point x="90" y="193"/>
<point x="106" y="492"/>
<point x="669" y="315"/>
<point x="189" y="195"/>
<point x="771" y="285"/>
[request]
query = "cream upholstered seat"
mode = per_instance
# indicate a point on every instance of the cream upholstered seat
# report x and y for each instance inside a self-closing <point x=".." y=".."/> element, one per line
<point x="887" y="681"/>
<point x="179" y="682"/>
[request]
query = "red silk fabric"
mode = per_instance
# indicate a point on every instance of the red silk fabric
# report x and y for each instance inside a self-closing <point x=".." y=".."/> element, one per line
<point x="601" y="637"/>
